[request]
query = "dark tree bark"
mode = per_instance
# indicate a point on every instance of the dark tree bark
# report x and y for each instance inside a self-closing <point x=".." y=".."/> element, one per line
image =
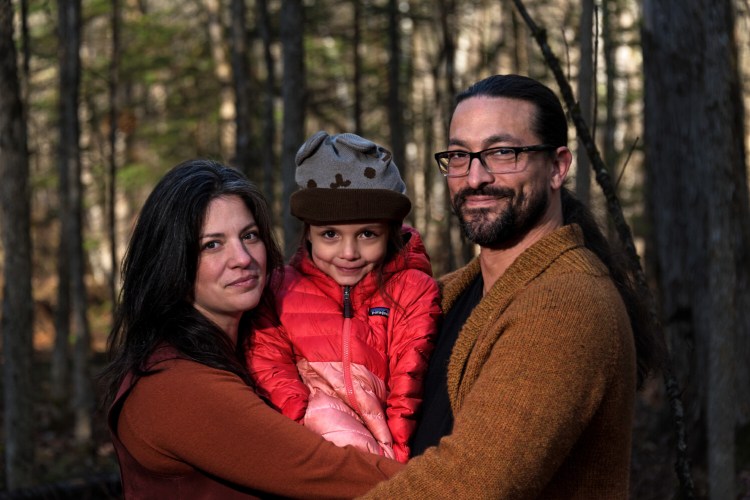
<point x="357" y="67"/>
<point x="585" y="97"/>
<point x="241" y="78"/>
<point x="461" y="250"/>
<point x="609" y="46"/>
<point x="268" y="132"/>
<point x="112" y="191"/>
<point x="395" y="106"/>
<point x="293" y="91"/>
<point x="69" y="28"/>
<point x="696" y="172"/>
<point x="18" y="303"/>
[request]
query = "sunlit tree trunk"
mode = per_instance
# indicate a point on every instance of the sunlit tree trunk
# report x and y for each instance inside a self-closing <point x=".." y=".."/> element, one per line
<point x="293" y="93"/>
<point x="694" y="138"/>
<point x="18" y="303"/>
<point x="223" y="73"/>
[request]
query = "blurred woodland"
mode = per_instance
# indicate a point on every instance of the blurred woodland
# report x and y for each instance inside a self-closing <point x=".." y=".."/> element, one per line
<point x="98" y="98"/>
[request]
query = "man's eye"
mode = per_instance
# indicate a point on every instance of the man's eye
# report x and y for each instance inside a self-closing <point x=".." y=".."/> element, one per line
<point x="503" y="152"/>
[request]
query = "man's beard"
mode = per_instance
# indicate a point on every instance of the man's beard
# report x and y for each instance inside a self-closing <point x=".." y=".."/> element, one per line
<point x="509" y="225"/>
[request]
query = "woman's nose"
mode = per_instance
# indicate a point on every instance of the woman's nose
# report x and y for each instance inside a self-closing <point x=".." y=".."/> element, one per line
<point x="240" y="254"/>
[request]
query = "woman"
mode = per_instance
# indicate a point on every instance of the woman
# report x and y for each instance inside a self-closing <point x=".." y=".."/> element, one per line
<point x="184" y="418"/>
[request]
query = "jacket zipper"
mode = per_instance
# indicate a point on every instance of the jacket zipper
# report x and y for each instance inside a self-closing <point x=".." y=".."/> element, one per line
<point x="346" y="350"/>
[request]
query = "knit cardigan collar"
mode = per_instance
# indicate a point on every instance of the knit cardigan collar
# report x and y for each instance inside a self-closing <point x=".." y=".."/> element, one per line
<point x="476" y="338"/>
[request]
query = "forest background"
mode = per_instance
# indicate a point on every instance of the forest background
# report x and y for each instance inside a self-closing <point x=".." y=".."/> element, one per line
<point x="98" y="98"/>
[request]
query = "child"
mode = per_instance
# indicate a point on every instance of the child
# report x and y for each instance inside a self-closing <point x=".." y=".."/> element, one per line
<point x="346" y="349"/>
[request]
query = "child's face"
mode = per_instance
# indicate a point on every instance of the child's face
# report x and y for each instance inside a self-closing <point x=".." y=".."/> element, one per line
<point x="347" y="252"/>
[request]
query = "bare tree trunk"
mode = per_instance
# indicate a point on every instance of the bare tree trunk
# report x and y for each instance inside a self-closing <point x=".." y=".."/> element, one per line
<point x="67" y="155"/>
<point x="395" y="107"/>
<point x="223" y="73"/>
<point x="293" y="93"/>
<point x="609" y="27"/>
<point x="461" y="250"/>
<point x="357" y="67"/>
<point x="698" y="192"/>
<point x="520" y="52"/>
<point x="241" y="78"/>
<point x="113" y="113"/>
<point x="69" y="12"/>
<point x="18" y="303"/>
<point x="585" y="97"/>
<point x="269" y="122"/>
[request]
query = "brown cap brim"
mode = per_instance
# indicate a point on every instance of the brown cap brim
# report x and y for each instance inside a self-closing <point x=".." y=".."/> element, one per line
<point x="327" y="206"/>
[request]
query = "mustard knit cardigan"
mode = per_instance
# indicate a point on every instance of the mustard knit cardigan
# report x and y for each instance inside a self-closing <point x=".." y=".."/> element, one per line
<point x="541" y="382"/>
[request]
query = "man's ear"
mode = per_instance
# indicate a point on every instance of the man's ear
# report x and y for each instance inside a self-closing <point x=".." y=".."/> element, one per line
<point x="560" y="167"/>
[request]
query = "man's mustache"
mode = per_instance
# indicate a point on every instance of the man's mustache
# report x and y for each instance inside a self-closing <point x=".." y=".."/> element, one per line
<point x="498" y="192"/>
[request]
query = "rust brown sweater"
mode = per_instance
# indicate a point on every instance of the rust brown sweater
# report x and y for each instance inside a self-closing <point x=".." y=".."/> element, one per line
<point x="542" y="385"/>
<point x="192" y="420"/>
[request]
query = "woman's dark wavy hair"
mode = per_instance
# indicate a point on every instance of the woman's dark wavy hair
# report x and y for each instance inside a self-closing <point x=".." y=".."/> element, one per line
<point x="159" y="271"/>
<point x="550" y="125"/>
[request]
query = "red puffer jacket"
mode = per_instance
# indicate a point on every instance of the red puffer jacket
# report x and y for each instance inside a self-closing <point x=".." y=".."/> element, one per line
<point x="349" y="362"/>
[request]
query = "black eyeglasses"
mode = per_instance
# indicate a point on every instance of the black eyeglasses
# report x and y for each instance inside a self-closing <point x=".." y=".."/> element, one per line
<point x="502" y="160"/>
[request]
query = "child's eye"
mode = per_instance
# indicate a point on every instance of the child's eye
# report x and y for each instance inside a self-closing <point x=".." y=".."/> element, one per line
<point x="368" y="234"/>
<point x="329" y="234"/>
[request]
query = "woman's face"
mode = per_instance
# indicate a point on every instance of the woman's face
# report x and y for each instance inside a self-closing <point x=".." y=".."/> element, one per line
<point x="231" y="263"/>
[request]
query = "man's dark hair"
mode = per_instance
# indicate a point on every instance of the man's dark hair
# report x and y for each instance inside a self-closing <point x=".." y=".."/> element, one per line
<point x="550" y="125"/>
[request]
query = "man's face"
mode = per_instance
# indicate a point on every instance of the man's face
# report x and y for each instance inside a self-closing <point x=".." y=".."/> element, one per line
<point x="497" y="210"/>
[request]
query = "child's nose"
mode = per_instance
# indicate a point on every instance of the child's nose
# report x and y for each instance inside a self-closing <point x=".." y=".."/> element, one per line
<point x="350" y="250"/>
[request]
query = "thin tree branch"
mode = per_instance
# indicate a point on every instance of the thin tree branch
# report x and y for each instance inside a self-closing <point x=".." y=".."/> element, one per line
<point x="627" y="160"/>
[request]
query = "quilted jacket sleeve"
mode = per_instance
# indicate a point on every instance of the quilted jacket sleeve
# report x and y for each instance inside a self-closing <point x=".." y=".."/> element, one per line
<point x="270" y="360"/>
<point x="410" y="346"/>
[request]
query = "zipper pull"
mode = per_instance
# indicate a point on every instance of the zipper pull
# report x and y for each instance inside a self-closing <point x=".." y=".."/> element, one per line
<point x="347" y="302"/>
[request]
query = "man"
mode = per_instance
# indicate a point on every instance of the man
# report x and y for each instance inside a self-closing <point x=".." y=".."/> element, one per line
<point x="538" y="394"/>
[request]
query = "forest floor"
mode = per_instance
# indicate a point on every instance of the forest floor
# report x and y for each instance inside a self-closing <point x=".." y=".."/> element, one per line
<point x="64" y="467"/>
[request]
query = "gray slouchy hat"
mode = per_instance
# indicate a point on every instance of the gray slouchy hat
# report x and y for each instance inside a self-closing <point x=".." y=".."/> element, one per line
<point x="346" y="178"/>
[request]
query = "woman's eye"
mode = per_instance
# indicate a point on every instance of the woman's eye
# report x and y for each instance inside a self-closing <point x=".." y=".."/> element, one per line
<point x="251" y="236"/>
<point x="210" y="245"/>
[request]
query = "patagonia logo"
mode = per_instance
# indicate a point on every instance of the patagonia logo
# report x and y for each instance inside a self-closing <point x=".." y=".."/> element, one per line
<point x="380" y="311"/>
